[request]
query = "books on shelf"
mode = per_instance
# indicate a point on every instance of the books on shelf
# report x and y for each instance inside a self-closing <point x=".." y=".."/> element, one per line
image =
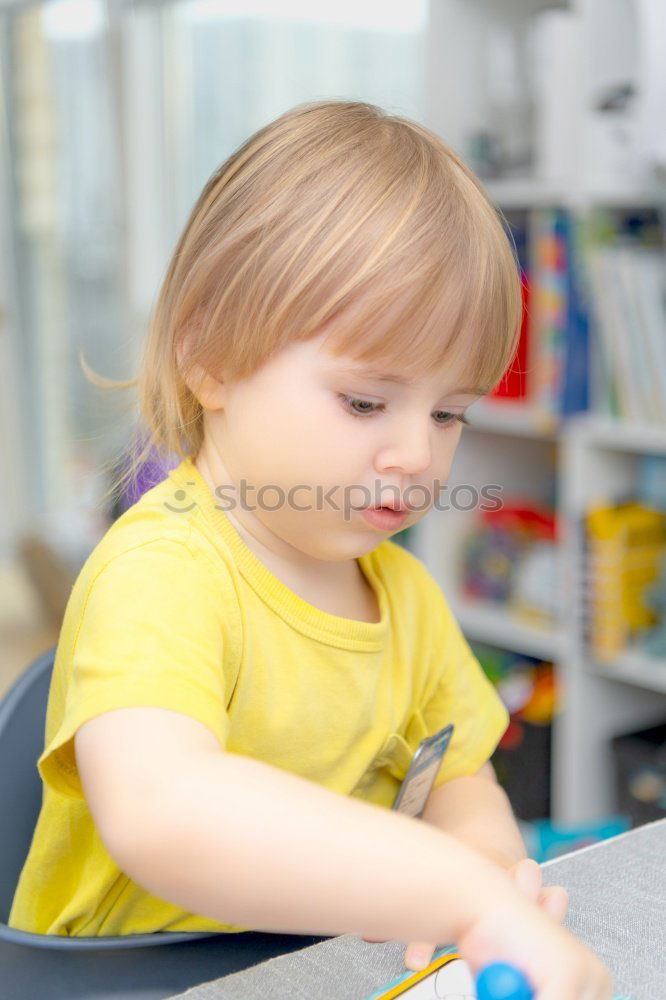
<point x="550" y="373"/>
<point x="594" y="318"/>
<point x="627" y="286"/>
<point x="513" y="385"/>
<point x="549" y="310"/>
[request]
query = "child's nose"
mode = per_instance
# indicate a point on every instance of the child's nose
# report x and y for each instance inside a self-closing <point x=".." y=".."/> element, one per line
<point x="409" y="450"/>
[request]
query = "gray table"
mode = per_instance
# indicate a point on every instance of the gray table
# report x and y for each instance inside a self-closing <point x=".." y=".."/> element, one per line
<point x="617" y="906"/>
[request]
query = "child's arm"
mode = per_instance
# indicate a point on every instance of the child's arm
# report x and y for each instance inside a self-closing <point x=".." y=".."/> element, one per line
<point x="242" y="842"/>
<point x="476" y="810"/>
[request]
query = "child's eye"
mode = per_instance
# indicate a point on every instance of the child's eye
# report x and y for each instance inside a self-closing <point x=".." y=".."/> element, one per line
<point x="451" y="418"/>
<point x="364" y="405"/>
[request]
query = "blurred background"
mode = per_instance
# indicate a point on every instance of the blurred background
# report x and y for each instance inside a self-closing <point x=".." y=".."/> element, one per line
<point x="113" y="114"/>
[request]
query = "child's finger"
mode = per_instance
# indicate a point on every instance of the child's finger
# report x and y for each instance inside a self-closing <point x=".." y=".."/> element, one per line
<point x="527" y="876"/>
<point x="374" y="940"/>
<point x="418" y="955"/>
<point x="554" y="899"/>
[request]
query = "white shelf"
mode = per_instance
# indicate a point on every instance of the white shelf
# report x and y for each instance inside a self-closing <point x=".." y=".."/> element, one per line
<point x="600" y="193"/>
<point x="524" y="192"/>
<point x="530" y="192"/>
<point x="634" y="667"/>
<point x="621" y="435"/>
<point x="507" y="417"/>
<point x="522" y="420"/>
<point x="485" y="621"/>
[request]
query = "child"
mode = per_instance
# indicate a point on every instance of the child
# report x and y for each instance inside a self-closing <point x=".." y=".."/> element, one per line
<point x="248" y="663"/>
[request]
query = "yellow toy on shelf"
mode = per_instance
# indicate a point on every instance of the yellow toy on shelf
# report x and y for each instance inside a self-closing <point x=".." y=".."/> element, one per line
<point x="625" y="545"/>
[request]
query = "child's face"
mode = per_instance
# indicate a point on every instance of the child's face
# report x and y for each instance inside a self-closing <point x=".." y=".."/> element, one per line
<point x="288" y="428"/>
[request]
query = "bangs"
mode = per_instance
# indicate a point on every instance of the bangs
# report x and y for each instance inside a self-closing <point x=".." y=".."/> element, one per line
<point x="434" y="308"/>
<point x="450" y="296"/>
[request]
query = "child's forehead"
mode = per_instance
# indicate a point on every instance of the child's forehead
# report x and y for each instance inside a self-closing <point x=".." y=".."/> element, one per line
<point x="455" y="376"/>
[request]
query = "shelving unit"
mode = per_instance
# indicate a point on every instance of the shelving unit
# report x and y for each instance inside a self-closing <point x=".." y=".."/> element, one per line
<point x="635" y="668"/>
<point x="573" y="463"/>
<point x="594" y="458"/>
<point x="597" y="463"/>
<point x="486" y="622"/>
<point x="511" y="418"/>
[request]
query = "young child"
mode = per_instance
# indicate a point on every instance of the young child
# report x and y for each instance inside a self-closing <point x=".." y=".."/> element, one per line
<point x="247" y="662"/>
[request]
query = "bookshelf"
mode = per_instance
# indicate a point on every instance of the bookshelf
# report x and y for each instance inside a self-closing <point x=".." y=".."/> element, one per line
<point x="595" y="458"/>
<point x="598" y="460"/>
<point x="528" y="449"/>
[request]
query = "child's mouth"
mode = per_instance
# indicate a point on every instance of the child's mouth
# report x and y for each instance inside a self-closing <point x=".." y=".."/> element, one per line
<point x="384" y="518"/>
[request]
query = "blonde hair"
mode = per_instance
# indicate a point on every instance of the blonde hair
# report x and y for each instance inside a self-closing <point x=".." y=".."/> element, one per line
<point x="334" y="211"/>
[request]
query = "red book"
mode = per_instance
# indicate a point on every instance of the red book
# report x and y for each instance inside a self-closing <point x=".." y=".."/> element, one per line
<point x="513" y="384"/>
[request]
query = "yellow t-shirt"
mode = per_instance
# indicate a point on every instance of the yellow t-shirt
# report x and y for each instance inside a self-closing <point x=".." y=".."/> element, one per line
<point x="172" y="609"/>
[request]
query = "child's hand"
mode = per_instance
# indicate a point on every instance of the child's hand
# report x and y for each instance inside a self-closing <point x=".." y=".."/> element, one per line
<point x="417" y="956"/>
<point x="557" y="965"/>
<point x="527" y="877"/>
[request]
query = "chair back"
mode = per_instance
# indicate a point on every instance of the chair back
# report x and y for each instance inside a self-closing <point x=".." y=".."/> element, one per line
<point x="22" y="721"/>
<point x="149" y="966"/>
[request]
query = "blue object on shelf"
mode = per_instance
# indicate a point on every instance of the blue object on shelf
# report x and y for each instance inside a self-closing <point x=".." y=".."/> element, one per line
<point x="546" y="840"/>
<point x="501" y="981"/>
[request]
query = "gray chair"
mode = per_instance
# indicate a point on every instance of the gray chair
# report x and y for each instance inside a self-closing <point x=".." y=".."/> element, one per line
<point x="127" y="967"/>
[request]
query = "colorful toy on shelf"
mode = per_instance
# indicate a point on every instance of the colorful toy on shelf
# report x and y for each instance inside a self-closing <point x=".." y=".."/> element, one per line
<point x="626" y="543"/>
<point x="511" y="557"/>
<point x="537" y="586"/>
<point x="545" y="840"/>
<point x="488" y="558"/>
<point x="653" y="640"/>
<point x="640" y="773"/>
<point x="526" y="685"/>
<point x="522" y="760"/>
<point x="543" y="703"/>
<point x="651" y="480"/>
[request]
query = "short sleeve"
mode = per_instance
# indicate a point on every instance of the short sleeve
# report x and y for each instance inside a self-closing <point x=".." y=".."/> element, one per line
<point x="158" y="628"/>
<point x="462" y="694"/>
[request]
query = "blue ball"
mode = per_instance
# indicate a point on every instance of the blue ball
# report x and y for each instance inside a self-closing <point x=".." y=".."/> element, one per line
<point x="500" y="981"/>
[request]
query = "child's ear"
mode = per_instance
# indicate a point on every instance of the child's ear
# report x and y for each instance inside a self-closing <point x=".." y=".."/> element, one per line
<point x="207" y="389"/>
